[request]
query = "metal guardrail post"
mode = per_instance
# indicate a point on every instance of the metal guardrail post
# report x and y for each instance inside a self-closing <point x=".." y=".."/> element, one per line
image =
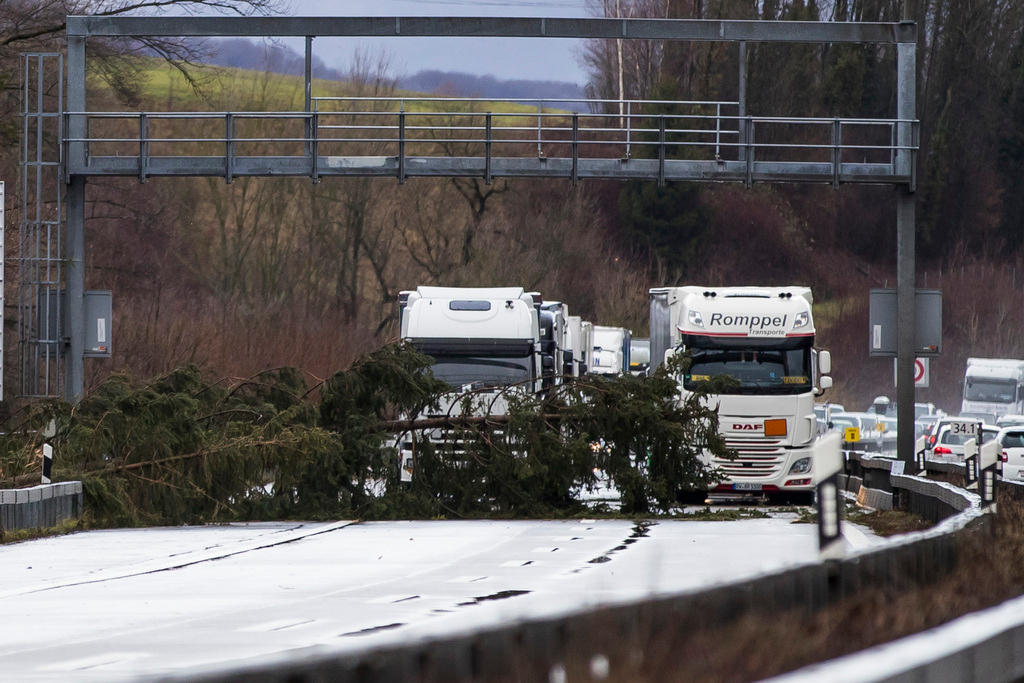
<point x="748" y="147"/>
<point x="915" y="132"/>
<point x="540" y="151"/>
<point x="401" y="147"/>
<point x="487" y="149"/>
<point x="629" y="118"/>
<point x="143" y="146"/>
<point x="718" y="130"/>
<point x="661" y="151"/>
<point x="837" y="141"/>
<point x="575" y="146"/>
<point x="229" y="146"/>
<point x="314" y="146"/>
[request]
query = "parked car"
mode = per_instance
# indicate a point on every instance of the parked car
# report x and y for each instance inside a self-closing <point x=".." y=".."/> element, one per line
<point x="923" y="425"/>
<point x="987" y="418"/>
<point x="926" y="409"/>
<point x="932" y="433"/>
<point x="1012" y="454"/>
<point x="950" y="446"/>
<point x="871" y="426"/>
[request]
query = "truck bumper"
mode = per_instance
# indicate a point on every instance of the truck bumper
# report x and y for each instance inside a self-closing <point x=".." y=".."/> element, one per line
<point x="782" y="478"/>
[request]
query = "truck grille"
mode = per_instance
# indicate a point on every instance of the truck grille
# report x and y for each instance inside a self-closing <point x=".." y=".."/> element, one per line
<point x="755" y="459"/>
<point x="452" y="441"/>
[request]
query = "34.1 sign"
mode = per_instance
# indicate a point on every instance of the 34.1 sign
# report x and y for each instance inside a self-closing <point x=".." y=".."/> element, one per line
<point x="963" y="428"/>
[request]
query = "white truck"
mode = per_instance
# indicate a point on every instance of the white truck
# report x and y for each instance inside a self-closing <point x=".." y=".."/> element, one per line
<point x="762" y="338"/>
<point x="483" y="339"/>
<point x="993" y="386"/>
<point x="610" y="354"/>
<point x="555" y="342"/>
<point x="575" y="357"/>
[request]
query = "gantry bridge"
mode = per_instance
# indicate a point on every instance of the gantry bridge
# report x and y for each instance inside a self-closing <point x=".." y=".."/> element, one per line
<point x="409" y="137"/>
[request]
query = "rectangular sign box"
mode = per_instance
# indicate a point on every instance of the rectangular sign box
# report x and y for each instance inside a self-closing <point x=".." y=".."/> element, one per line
<point x="882" y="322"/>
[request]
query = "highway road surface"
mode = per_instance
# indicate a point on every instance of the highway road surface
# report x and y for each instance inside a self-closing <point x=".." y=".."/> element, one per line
<point x="129" y="603"/>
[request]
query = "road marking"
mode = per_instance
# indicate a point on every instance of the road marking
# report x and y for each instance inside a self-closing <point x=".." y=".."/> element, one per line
<point x="94" y="662"/>
<point x="466" y="579"/>
<point x="277" y="625"/>
<point x="167" y="563"/>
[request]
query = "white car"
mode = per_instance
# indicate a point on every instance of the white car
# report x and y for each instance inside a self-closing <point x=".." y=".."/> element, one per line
<point x="1010" y="421"/>
<point x="950" y="446"/>
<point x="1012" y="455"/>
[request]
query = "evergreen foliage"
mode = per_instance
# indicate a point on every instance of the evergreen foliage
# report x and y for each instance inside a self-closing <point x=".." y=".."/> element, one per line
<point x="182" y="450"/>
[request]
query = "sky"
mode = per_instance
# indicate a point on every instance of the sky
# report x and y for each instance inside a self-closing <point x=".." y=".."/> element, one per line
<point x="556" y="59"/>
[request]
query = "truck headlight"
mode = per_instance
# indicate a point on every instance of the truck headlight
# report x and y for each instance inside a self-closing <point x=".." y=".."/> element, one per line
<point x="801" y="466"/>
<point x="695" y="319"/>
<point x="800" y="321"/>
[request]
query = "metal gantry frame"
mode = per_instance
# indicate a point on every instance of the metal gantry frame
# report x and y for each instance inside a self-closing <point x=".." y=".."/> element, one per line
<point x="571" y="160"/>
<point x="39" y="252"/>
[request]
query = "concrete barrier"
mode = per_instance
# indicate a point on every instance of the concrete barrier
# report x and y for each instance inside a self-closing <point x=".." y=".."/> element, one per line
<point x="40" y="507"/>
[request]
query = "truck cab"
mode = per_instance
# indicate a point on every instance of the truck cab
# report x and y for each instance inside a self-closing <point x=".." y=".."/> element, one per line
<point x="611" y="346"/>
<point x="993" y="386"/>
<point x="762" y="339"/>
<point x="484" y="341"/>
<point x="478" y="337"/>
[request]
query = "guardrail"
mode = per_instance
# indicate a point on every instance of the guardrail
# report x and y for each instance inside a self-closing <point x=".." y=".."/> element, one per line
<point x="545" y="649"/>
<point x="40" y="507"/>
<point x="403" y="137"/>
<point x="984" y="647"/>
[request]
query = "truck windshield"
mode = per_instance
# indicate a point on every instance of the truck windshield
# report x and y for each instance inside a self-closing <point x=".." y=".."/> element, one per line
<point x="991" y="390"/>
<point x="495" y="372"/>
<point x="756" y="371"/>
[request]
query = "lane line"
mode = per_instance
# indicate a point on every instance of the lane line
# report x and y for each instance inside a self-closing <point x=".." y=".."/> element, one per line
<point x="163" y="566"/>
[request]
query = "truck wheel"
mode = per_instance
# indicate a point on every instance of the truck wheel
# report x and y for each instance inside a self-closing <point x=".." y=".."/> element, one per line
<point x="794" y="498"/>
<point x="692" y="497"/>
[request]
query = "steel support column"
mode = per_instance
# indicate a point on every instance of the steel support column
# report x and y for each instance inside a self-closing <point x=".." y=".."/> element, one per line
<point x="74" y="242"/>
<point x="906" y="110"/>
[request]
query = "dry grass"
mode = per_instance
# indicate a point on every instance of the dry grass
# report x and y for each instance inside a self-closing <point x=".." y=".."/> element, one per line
<point x="889" y="522"/>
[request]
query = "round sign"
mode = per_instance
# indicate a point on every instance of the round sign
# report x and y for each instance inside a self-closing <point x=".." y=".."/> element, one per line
<point x="918" y="370"/>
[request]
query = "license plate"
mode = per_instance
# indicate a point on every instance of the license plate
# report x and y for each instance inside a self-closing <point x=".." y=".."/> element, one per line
<point x="746" y="486"/>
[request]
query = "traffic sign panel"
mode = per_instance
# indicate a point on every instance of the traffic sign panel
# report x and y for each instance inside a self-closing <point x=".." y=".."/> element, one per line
<point x="921" y="372"/>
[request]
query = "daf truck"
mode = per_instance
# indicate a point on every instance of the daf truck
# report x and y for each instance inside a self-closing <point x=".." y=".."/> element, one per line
<point x="762" y="339"/>
<point x="993" y="386"/>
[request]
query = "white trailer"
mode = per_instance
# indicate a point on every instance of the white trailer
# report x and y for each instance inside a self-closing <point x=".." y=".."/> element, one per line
<point x="762" y="338"/>
<point x="993" y="386"/>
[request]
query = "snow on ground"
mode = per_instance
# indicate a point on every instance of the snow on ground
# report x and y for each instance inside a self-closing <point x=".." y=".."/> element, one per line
<point x="109" y="605"/>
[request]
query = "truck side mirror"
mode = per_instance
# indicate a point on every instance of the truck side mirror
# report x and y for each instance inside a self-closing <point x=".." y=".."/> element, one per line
<point x="824" y="364"/>
<point x="824" y="382"/>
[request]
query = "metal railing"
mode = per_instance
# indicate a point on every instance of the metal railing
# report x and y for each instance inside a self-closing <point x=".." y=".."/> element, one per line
<point x="341" y="135"/>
